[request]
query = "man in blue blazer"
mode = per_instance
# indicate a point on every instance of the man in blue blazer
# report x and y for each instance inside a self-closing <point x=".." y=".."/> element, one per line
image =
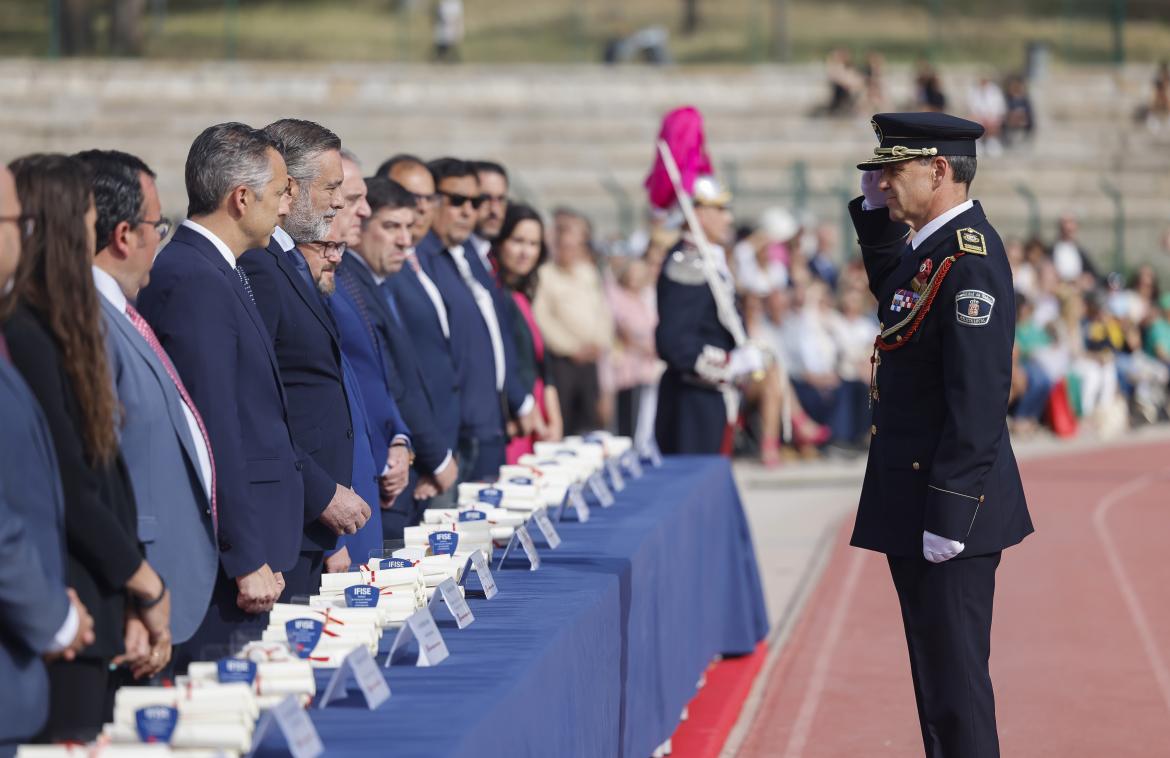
<point x="163" y="438"/>
<point x="423" y="313"/>
<point x="200" y="305"/>
<point x="38" y="615"/>
<point x="492" y="391"/>
<point x="307" y="348"/>
<point x="378" y="345"/>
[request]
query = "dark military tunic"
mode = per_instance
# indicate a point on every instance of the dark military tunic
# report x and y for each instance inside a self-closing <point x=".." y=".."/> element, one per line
<point x="940" y="459"/>
<point x="691" y="415"/>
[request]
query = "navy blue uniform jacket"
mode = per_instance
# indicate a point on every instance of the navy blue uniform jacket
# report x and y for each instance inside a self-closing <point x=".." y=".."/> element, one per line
<point x="218" y="343"/>
<point x="308" y="352"/>
<point x="691" y="414"/>
<point x="940" y="458"/>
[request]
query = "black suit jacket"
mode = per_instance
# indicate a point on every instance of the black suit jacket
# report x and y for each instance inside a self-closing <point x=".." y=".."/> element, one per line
<point x="308" y="351"/>
<point x="101" y="521"/>
<point x="403" y="377"/>
<point x="218" y="343"/>
<point x="940" y="458"/>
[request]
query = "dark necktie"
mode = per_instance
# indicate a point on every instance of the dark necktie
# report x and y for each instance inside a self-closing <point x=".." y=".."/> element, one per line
<point x="389" y="297"/>
<point x="244" y="281"/>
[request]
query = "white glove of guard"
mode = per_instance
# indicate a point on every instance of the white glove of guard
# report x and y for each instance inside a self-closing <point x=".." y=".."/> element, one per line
<point x="745" y="360"/>
<point x="937" y="549"/>
<point x="874" y="197"/>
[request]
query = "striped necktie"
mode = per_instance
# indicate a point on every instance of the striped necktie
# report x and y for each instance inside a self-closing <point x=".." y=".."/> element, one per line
<point x="148" y="334"/>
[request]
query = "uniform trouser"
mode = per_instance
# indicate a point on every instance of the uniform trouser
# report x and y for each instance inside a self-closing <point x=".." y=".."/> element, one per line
<point x="946" y="609"/>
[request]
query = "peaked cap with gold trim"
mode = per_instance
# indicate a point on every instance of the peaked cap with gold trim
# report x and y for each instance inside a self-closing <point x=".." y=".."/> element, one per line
<point x="904" y="136"/>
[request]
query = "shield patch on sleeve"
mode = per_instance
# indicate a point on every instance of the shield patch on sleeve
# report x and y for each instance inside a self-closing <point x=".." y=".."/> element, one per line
<point x="973" y="307"/>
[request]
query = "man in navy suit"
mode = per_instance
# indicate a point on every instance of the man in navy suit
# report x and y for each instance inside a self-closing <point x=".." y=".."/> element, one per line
<point x="200" y="305"/>
<point x="163" y="438"/>
<point x="377" y="344"/>
<point x="420" y="306"/>
<point x="38" y="615"/>
<point x="492" y="390"/>
<point x="308" y="352"/>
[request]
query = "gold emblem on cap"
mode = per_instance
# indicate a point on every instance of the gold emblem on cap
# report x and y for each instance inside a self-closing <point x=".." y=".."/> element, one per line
<point x="971" y="241"/>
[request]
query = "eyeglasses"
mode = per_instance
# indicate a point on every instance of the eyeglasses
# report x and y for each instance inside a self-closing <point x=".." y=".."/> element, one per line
<point x="161" y="225"/>
<point x="25" y="222"/>
<point x="457" y="200"/>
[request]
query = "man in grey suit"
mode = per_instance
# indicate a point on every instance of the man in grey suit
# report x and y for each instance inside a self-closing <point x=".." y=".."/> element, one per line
<point x="39" y="617"/>
<point x="163" y="438"/>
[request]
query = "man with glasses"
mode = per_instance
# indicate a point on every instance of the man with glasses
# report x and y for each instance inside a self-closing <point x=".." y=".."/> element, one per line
<point x="493" y="189"/>
<point x="492" y="391"/>
<point x="163" y="437"/>
<point x="307" y="346"/>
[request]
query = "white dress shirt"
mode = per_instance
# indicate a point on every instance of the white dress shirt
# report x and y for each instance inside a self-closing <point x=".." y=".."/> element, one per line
<point x="487" y="309"/>
<point x="109" y="289"/>
<point x="939" y="222"/>
<point x="220" y="245"/>
<point x="482" y="248"/>
<point x="432" y="292"/>
<point x="283" y="239"/>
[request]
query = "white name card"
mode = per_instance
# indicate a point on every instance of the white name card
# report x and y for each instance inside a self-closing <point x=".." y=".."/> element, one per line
<point x="600" y="491"/>
<point x="614" y="467"/>
<point x="529" y="548"/>
<point x="545" y="525"/>
<point x="421" y="626"/>
<point x="479" y="563"/>
<point x="292" y="721"/>
<point x="365" y="672"/>
<point x="633" y="464"/>
<point x="576" y="498"/>
<point x="456" y="604"/>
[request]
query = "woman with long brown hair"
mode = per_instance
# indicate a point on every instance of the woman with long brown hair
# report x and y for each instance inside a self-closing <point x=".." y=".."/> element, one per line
<point x="52" y="323"/>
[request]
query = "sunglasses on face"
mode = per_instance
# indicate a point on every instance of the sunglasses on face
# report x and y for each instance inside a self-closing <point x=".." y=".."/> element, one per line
<point x="458" y="201"/>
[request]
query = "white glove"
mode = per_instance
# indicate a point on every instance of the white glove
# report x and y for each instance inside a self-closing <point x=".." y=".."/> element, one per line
<point x="745" y="360"/>
<point x="937" y="549"/>
<point x="874" y="197"/>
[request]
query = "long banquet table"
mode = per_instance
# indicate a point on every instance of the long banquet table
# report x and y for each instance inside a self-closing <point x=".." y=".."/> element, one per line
<point x="594" y="654"/>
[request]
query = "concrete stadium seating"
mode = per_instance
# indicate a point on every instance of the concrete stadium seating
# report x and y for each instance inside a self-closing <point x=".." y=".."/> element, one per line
<point x="568" y="133"/>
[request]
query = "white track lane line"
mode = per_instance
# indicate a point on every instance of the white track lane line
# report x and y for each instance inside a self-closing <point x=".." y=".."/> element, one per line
<point x="820" y="674"/>
<point x="1132" y="601"/>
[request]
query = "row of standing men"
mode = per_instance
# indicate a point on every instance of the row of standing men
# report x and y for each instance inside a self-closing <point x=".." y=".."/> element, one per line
<point x="310" y="359"/>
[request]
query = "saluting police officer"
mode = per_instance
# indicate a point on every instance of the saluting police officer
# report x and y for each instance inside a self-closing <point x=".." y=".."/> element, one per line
<point x="697" y="396"/>
<point x="942" y="495"/>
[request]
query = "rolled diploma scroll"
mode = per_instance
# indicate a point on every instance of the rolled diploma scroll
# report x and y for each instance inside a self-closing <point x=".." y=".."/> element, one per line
<point x="235" y="697"/>
<point x="110" y="751"/>
<point x="227" y="737"/>
<point x="277" y="678"/>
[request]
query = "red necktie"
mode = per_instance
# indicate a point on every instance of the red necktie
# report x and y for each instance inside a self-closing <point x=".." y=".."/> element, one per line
<point x="148" y="335"/>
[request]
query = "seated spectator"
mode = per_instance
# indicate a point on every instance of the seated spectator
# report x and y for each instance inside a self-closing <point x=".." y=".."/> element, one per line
<point x="846" y="84"/>
<point x="1036" y="384"/>
<point x="822" y="262"/>
<point x="928" y="91"/>
<point x="1096" y="367"/>
<point x="1072" y="261"/>
<point x="762" y="257"/>
<point x="815" y="352"/>
<point x="1157" y="336"/>
<point x="1156" y="113"/>
<point x="988" y="107"/>
<point x="875" y="82"/>
<point x="1018" y="120"/>
<point x="1023" y="272"/>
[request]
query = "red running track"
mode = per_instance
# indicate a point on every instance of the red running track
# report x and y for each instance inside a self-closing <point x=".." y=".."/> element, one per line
<point x="1080" y="641"/>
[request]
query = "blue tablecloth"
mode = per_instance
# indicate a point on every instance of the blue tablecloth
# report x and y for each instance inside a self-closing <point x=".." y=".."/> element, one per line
<point x="595" y="654"/>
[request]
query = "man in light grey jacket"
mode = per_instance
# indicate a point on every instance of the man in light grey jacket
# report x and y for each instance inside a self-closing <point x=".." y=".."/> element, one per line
<point x="163" y="439"/>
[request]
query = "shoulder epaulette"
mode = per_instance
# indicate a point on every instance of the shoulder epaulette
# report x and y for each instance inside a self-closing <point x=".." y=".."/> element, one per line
<point x="685" y="266"/>
<point x="971" y="241"/>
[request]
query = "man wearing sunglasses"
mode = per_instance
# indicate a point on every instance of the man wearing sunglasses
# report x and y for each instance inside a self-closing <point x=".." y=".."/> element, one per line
<point x="166" y="452"/>
<point x="493" y="188"/>
<point x="492" y="392"/>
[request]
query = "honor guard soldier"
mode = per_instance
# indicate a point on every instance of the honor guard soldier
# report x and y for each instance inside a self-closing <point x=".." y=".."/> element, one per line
<point x="942" y="495"/>
<point x="697" y="398"/>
